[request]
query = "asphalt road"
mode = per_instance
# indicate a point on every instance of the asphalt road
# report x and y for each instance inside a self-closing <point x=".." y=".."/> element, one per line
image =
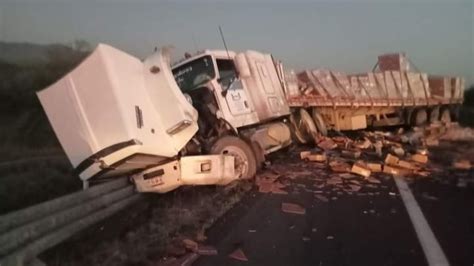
<point x="367" y="228"/>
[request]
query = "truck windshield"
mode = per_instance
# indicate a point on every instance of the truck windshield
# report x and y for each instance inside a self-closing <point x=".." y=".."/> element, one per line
<point x="195" y="73"/>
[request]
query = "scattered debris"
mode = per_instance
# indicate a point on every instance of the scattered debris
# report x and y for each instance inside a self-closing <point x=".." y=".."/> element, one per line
<point x="360" y="170"/>
<point x="373" y="180"/>
<point x="313" y="157"/>
<point x="355" y="188"/>
<point x="238" y="254"/>
<point x="428" y="196"/>
<point x="347" y="175"/>
<point x="292" y="208"/>
<point x="267" y="184"/>
<point x="304" y="154"/>
<point x="363" y="144"/>
<point x="399" y="151"/>
<point x="190" y="244"/>
<point x="391" y="159"/>
<point x="339" y="166"/>
<point x="353" y="154"/>
<point x="406" y="165"/>
<point x="206" y="250"/>
<point x="374" y="167"/>
<point x="391" y="170"/>
<point x="321" y="198"/>
<point x="329" y="237"/>
<point x="420" y="158"/>
<point x="317" y="157"/>
<point x="327" y="144"/>
<point x="462" y="164"/>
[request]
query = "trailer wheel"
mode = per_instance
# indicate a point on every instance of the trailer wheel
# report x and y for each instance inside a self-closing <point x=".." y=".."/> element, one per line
<point x="455" y="113"/>
<point x="445" y="115"/>
<point x="245" y="162"/>
<point x="296" y="131"/>
<point x="319" y="121"/>
<point x="307" y="127"/>
<point x="434" y="114"/>
<point x="420" y="118"/>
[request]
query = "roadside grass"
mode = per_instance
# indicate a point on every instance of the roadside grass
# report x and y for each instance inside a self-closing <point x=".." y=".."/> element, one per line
<point x="144" y="233"/>
<point x="31" y="182"/>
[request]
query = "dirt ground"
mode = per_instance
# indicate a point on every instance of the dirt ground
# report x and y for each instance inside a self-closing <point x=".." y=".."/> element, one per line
<point x="340" y="227"/>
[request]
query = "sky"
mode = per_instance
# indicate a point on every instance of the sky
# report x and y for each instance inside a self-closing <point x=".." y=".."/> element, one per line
<point x="437" y="36"/>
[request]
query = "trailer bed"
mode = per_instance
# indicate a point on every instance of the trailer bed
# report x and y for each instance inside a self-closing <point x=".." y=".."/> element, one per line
<point x="392" y="85"/>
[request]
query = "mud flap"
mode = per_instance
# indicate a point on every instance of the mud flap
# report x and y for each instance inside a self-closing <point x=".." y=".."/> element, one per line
<point x="190" y="170"/>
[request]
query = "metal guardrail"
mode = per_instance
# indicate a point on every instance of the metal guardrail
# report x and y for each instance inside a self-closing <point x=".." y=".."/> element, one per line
<point x="26" y="233"/>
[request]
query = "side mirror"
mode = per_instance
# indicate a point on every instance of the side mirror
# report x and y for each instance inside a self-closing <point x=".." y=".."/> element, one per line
<point x="242" y="65"/>
<point x="224" y="93"/>
<point x="224" y="90"/>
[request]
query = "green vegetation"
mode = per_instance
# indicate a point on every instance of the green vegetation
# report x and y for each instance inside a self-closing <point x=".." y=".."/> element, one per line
<point x="33" y="166"/>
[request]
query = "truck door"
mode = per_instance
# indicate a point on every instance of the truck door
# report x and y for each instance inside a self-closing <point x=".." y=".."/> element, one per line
<point x="270" y="85"/>
<point x="235" y="95"/>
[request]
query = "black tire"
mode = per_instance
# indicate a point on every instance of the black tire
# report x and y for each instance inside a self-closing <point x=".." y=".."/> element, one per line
<point x="245" y="162"/>
<point x="297" y="134"/>
<point x="445" y="115"/>
<point x="308" y="127"/>
<point x="319" y="122"/>
<point x="434" y="114"/>
<point x="420" y="117"/>
<point x="455" y="112"/>
<point x="259" y="154"/>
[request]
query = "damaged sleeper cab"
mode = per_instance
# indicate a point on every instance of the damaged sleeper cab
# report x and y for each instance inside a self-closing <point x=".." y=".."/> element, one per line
<point x="115" y="115"/>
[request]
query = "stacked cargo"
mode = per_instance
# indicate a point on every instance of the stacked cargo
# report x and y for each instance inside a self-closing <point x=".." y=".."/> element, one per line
<point x="393" y="84"/>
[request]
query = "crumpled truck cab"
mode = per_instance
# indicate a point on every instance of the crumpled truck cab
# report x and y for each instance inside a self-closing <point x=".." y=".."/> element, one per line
<point x="116" y="115"/>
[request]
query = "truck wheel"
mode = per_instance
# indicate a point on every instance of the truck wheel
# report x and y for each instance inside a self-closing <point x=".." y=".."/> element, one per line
<point x="245" y="162"/>
<point x="445" y="116"/>
<point x="319" y="121"/>
<point x="420" y="118"/>
<point x="434" y="114"/>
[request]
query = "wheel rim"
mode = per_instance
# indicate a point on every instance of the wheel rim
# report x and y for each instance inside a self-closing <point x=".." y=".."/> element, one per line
<point x="241" y="164"/>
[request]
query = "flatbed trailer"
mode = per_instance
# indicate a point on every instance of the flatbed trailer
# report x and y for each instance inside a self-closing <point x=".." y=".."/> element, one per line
<point x="392" y="94"/>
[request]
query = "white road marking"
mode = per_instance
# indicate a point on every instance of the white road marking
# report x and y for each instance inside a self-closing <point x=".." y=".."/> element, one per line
<point x="433" y="252"/>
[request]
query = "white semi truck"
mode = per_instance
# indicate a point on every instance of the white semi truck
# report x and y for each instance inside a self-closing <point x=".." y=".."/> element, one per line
<point x="212" y="117"/>
<point x="209" y="120"/>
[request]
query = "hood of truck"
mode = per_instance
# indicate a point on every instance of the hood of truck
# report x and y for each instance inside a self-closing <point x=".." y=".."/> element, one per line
<point x="114" y="106"/>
